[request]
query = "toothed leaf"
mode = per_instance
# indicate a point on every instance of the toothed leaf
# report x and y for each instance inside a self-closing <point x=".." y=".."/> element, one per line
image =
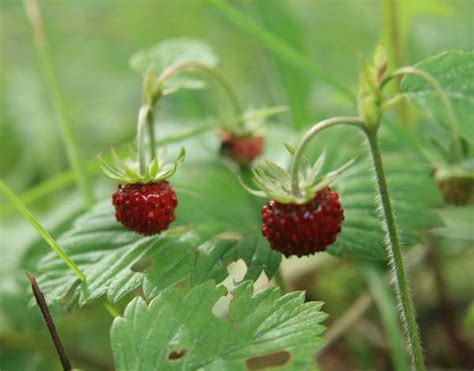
<point x="182" y="330"/>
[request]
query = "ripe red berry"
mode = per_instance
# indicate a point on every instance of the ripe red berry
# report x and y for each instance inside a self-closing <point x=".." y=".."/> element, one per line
<point x="242" y="150"/>
<point x="305" y="229"/>
<point x="145" y="208"/>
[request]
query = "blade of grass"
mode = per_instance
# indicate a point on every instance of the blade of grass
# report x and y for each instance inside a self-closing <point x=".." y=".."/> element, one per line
<point x="10" y="196"/>
<point x="387" y="308"/>
<point x="34" y="17"/>
<point x="279" y="47"/>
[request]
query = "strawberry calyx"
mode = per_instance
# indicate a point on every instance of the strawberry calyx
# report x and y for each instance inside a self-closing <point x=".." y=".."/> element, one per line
<point x="157" y="170"/>
<point x="275" y="183"/>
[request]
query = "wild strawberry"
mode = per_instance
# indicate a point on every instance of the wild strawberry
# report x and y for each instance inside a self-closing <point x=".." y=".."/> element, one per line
<point x="242" y="140"/>
<point x="242" y="150"/>
<point x="304" y="229"/>
<point x="303" y="215"/>
<point x="145" y="208"/>
<point x="144" y="202"/>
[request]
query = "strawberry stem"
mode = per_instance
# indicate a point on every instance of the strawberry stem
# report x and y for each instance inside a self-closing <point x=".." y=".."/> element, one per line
<point x="324" y="124"/>
<point x="450" y="116"/>
<point x="144" y="118"/>
<point x="394" y="253"/>
<point x="22" y="209"/>
<point x="194" y="66"/>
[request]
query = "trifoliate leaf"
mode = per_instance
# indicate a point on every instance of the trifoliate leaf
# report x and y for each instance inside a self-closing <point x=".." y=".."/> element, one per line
<point x="179" y="331"/>
<point x="454" y="70"/>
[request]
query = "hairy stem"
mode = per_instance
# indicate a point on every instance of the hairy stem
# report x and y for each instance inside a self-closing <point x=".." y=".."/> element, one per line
<point x="10" y="196"/>
<point x="48" y="319"/>
<point x="34" y="17"/>
<point x="151" y="134"/>
<point x="450" y="116"/>
<point x="315" y="129"/>
<point x="394" y="253"/>
<point x="199" y="67"/>
<point x="360" y="306"/>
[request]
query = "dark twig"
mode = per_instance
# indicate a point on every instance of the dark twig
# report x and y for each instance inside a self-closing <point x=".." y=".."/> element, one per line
<point x="48" y="319"/>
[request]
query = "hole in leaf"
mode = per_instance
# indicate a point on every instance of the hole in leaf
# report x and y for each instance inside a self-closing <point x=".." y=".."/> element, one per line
<point x="276" y="359"/>
<point x="176" y="355"/>
<point x="142" y="265"/>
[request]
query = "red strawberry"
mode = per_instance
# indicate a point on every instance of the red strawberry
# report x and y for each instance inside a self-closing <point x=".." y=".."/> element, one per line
<point x="303" y="229"/>
<point x="145" y="208"/>
<point x="241" y="149"/>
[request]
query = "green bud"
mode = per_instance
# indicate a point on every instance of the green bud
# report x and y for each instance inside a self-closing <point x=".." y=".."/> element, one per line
<point x="369" y="99"/>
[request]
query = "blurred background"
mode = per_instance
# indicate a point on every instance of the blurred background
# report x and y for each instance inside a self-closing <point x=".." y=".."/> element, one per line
<point x="90" y="42"/>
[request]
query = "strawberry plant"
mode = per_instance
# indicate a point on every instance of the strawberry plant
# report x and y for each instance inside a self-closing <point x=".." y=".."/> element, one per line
<point x="236" y="240"/>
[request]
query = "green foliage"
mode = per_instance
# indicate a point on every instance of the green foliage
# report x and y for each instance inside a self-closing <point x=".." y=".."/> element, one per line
<point x="212" y="230"/>
<point x="156" y="171"/>
<point x="178" y="331"/>
<point x="413" y="193"/>
<point x="454" y="70"/>
<point x="458" y="222"/>
<point x="274" y="182"/>
<point x="172" y="53"/>
<point x="116" y="261"/>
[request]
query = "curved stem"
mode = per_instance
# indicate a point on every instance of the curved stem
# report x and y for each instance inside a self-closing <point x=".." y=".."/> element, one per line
<point x="143" y="122"/>
<point x="194" y="66"/>
<point x="295" y="164"/>
<point x="451" y="117"/>
<point x="10" y="196"/>
<point x="394" y="253"/>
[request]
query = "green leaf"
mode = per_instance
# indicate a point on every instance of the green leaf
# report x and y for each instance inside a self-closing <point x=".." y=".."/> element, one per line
<point x="171" y="53"/>
<point x="183" y="82"/>
<point x="178" y="331"/>
<point x="458" y="223"/>
<point x="454" y="70"/>
<point x="414" y="195"/>
<point x="113" y="258"/>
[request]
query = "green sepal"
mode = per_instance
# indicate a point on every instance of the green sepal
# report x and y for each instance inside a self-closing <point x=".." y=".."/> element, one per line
<point x="274" y="182"/>
<point x="156" y="171"/>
